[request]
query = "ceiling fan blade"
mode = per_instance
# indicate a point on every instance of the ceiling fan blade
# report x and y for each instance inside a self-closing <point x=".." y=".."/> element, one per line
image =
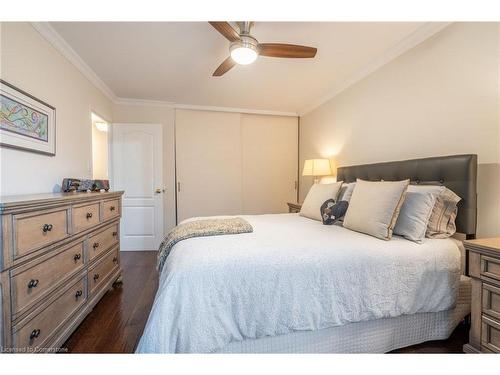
<point x="226" y="29"/>
<point x="286" y="50"/>
<point x="226" y="65"/>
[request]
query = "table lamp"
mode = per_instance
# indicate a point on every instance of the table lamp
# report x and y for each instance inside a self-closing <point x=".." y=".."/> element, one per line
<point x="317" y="168"/>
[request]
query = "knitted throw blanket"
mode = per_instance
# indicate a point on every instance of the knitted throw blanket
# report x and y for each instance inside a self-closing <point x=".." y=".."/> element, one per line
<point x="200" y="228"/>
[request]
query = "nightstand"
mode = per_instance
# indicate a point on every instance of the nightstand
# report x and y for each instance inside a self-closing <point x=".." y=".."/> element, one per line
<point x="294" y="207"/>
<point x="484" y="270"/>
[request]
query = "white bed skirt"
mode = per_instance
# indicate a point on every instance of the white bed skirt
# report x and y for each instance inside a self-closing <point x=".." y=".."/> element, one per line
<point x="375" y="336"/>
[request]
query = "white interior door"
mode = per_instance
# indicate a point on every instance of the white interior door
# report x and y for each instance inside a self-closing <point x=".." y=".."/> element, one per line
<point x="208" y="163"/>
<point x="269" y="163"/>
<point x="137" y="169"/>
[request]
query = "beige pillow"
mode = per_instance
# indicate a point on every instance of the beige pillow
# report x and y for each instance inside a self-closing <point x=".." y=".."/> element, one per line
<point x="318" y="194"/>
<point x="442" y="221"/>
<point x="374" y="207"/>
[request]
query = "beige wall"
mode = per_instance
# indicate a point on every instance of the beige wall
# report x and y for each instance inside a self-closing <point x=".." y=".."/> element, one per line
<point x="29" y="62"/>
<point x="164" y="115"/>
<point x="439" y="98"/>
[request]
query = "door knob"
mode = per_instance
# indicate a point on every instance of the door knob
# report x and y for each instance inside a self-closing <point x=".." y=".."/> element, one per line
<point x="159" y="191"/>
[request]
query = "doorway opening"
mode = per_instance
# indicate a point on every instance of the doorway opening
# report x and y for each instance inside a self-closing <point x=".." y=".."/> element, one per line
<point x="100" y="148"/>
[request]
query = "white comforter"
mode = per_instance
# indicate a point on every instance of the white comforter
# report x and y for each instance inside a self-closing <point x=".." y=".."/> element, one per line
<point x="292" y="274"/>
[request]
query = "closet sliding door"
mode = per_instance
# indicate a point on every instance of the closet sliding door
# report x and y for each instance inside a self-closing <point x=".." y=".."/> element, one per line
<point x="269" y="163"/>
<point x="208" y="163"/>
<point x="233" y="164"/>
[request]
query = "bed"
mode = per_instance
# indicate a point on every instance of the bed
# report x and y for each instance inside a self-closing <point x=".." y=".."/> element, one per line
<point x="294" y="285"/>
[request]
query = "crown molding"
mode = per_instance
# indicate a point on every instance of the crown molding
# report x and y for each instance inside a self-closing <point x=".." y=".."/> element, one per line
<point x="53" y="37"/>
<point x="143" y="102"/>
<point x="236" y="110"/>
<point x="418" y="36"/>
<point x="159" y="103"/>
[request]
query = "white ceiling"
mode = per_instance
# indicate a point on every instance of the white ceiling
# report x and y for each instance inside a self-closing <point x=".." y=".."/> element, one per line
<point x="174" y="61"/>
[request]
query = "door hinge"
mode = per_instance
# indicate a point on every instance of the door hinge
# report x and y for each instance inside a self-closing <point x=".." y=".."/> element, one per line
<point x="179" y="187"/>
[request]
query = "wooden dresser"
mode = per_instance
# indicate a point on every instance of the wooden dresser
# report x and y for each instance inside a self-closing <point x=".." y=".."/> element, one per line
<point x="59" y="254"/>
<point x="484" y="270"/>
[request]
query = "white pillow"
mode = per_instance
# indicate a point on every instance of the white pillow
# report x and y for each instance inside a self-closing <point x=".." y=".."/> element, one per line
<point x="374" y="207"/>
<point x="317" y="195"/>
<point x="415" y="214"/>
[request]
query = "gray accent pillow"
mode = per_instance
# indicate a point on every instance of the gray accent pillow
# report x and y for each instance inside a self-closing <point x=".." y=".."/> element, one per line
<point x="374" y="207"/>
<point x="442" y="221"/>
<point x="345" y="193"/>
<point x="415" y="214"/>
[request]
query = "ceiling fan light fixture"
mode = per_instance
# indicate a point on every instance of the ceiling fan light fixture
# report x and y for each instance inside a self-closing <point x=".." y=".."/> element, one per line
<point x="244" y="51"/>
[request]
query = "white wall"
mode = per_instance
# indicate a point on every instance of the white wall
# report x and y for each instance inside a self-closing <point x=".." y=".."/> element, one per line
<point x="164" y="115"/>
<point x="440" y="98"/>
<point x="29" y="62"/>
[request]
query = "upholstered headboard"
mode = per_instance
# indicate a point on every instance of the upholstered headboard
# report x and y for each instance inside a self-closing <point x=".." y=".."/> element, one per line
<point x="456" y="172"/>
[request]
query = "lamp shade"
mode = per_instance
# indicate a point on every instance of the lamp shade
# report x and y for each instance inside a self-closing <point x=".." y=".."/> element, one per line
<point x="317" y="167"/>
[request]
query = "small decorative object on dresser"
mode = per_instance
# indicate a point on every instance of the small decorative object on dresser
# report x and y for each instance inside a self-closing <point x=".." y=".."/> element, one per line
<point x="484" y="269"/>
<point x="70" y="184"/>
<point x="100" y="185"/>
<point x="294" y="207"/>
<point x="83" y="185"/>
<point x="59" y="254"/>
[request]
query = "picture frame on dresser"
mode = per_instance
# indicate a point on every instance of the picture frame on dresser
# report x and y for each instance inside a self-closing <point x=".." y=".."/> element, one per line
<point x="26" y="122"/>
<point x="59" y="255"/>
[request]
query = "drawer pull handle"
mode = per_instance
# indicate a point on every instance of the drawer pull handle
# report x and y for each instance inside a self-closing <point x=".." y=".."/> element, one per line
<point x="77" y="257"/>
<point x="95" y="245"/>
<point x="96" y="276"/>
<point x="33" y="283"/>
<point x="115" y="234"/>
<point x="89" y="215"/>
<point x="115" y="260"/>
<point x="47" y="228"/>
<point x="78" y="294"/>
<point x="112" y="208"/>
<point x="34" y="334"/>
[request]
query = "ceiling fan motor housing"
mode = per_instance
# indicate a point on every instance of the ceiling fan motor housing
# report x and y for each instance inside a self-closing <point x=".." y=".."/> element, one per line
<point x="246" y="41"/>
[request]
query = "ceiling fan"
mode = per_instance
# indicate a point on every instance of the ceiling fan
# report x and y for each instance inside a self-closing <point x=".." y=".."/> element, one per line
<point x="244" y="48"/>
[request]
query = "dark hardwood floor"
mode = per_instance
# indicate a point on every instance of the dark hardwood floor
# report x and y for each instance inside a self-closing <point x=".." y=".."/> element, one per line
<point x="116" y="323"/>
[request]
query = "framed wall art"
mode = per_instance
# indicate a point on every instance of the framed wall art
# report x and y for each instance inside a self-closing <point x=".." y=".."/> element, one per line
<point x="26" y="123"/>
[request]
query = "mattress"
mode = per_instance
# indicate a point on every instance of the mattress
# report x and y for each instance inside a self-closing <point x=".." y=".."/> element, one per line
<point x="375" y="336"/>
<point x="292" y="274"/>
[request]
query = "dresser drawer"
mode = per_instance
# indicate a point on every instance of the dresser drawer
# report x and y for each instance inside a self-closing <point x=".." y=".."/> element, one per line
<point x="490" y="334"/>
<point x="111" y="209"/>
<point x="102" y="270"/>
<point x="490" y="267"/>
<point x="37" y="330"/>
<point x="28" y="285"/>
<point x="103" y="241"/>
<point x="85" y="217"/>
<point x="491" y="300"/>
<point x="35" y="230"/>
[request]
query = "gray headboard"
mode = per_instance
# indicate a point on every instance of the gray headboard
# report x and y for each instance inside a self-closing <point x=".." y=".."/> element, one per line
<point x="456" y="172"/>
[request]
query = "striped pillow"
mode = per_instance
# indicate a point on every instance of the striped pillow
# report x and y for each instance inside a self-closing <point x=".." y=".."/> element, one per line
<point x="442" y="221"/>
